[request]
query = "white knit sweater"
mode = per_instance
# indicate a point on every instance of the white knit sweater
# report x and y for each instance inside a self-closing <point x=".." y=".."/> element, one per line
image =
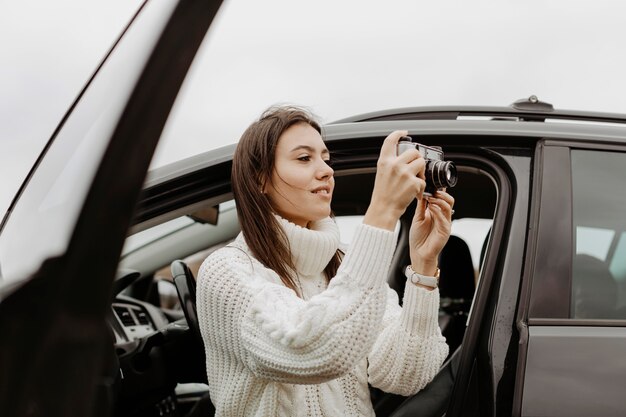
<point x="271" y="353"/>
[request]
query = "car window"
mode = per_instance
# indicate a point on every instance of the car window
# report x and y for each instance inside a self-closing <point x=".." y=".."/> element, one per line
<point x="347" y="227"/>
<point x="594" y="241"/>
<point x="472" y="231"/>
<point x="53" y="198"/>
<point x="618" y="263"/>
<point x="599" y="217"/>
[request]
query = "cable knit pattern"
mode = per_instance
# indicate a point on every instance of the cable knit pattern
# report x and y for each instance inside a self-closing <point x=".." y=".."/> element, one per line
<point x="410" y="348"/>
<point x="271" y="353"/>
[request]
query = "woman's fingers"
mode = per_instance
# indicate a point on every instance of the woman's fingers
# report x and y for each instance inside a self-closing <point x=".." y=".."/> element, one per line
<point x="440" y="215"/>
<point x="420" y="211"/>
<point x="445" y="196"/>
<point x="444" y="202"/>
<point x="400" y="177"/>
<point x="417" y="167"/>
<point x="396" y="183"/>
<point x="389" y="148"/>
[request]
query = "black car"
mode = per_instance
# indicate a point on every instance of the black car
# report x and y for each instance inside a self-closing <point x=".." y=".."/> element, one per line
<point x="97" y="310"/>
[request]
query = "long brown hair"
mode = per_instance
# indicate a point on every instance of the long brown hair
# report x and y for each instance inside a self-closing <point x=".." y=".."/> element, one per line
<point x="253" y="164"/>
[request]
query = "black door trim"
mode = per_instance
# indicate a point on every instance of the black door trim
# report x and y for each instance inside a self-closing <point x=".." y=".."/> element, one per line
<point x="499" y="236"/>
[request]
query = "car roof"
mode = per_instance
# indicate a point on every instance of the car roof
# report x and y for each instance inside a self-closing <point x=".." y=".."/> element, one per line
<point x="525" y="109"/>
<point x="426" y="121"/>
<point x="587" y="131"/>
<point x="521" y="112"/>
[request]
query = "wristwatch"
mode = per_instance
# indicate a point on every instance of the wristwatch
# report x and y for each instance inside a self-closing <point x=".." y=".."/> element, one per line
<point x="425" y="280"/>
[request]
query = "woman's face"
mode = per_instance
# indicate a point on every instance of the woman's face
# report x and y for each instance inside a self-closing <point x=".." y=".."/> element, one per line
<point x="301" y="186"/>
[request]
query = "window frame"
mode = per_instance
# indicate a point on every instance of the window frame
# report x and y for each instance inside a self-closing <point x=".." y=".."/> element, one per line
<point x="480" y="314"/>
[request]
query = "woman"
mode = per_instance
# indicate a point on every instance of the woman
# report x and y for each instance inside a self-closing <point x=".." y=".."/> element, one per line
<point x="289" y="327"/>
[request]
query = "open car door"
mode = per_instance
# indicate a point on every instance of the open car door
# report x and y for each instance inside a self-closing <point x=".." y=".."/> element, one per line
<point x="61" y="239"/>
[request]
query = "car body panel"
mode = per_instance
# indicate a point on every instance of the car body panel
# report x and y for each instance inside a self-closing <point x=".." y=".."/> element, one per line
<point x="581" y="368"/>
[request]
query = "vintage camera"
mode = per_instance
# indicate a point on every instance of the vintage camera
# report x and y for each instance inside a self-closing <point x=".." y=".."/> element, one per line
<point x="439" y="173"/>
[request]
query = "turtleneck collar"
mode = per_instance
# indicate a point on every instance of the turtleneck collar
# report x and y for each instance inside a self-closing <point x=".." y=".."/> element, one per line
<point x="311" y="248"/>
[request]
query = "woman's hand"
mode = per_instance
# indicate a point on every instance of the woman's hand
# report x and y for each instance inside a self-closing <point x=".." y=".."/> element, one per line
<point x="399" y="180"/>
<point x="430" y="231"/>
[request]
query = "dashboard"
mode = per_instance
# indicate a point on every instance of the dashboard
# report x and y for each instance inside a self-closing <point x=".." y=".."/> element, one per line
<point x="132" y="319"/>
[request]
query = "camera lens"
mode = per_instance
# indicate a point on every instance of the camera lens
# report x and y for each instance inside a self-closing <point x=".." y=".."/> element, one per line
<point x="441" y="174"/>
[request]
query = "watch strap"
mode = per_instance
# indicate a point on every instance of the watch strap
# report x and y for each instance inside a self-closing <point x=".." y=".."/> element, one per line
<point x="425" y="280"/>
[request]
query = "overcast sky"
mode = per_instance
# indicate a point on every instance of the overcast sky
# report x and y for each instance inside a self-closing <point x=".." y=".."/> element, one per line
<point x="338" y="57"/>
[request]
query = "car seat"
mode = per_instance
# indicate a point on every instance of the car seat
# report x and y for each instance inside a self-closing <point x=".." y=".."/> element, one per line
<point x="186" y="287"/>
<point x="594" y="291"/>
<point x="456" y="288"/>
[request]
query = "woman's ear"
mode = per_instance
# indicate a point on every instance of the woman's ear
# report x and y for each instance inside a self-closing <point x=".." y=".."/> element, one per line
<point x="262" y="185"/>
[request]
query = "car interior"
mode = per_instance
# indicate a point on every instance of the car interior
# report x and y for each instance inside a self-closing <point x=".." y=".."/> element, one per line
<point x="153" y="316"/>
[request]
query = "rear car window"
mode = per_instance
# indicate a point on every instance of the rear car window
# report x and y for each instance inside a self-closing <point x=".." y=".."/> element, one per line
<point x="599" y="217"/>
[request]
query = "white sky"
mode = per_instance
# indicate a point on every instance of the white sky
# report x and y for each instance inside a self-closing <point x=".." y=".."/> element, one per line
<point x="338" y="57"/>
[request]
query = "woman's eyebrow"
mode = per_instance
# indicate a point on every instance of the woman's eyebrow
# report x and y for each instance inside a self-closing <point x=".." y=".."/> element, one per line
<point x="309" y="148"/>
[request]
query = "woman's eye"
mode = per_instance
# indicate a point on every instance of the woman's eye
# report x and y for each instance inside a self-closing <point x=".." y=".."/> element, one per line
<point x="304" y="158"/>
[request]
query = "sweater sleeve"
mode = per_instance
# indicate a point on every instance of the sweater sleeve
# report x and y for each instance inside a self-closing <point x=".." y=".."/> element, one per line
<point x="410" y="349"/>
<point x="280" y="337"/>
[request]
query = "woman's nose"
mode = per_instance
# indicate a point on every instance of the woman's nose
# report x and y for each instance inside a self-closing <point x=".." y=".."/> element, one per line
<point x="325" y="170"/>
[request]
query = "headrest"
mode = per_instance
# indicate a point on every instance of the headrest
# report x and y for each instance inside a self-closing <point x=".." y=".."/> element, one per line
<point x="457" y="270"/>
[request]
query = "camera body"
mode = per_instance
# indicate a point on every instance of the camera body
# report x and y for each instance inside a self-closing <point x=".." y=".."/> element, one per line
<point x="438" y="172"/>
